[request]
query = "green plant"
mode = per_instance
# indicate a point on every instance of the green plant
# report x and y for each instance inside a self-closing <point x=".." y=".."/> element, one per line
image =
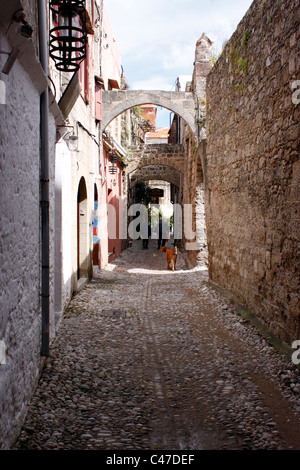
<point x="234" y="53"/>
<point x="201" y="120"/>
<point x="212" y="62"/>
<point x="238" y="87"/>
<point x="246" y="39"/>
<point x="239" y="61"/>
<point x="242" y="64"/>
<point x="262" y="4"/>
<point x="137" y="110"/>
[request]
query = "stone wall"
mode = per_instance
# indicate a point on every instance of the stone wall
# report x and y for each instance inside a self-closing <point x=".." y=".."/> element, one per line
<point x="195" y="150"/>
<point x="253" y="171"/>
<point x="156" y="172"/>
<point x="20" y="233"/>
<point x="156" y="154"/>
<point x="194" y="226"/>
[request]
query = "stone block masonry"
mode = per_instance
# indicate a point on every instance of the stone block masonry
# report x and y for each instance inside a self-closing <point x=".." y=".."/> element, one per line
<point x="181" y="103"/>
<point x="171" y="156"/>
<point x="253" y="169"/>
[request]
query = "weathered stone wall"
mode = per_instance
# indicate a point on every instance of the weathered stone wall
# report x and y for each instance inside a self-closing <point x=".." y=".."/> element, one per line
<point x="195" y="149"/>
<point x="156" y="172"/>
<point x="20" y="233"/>
<point x="194" y="226"/>
<point x="180" y="164"/>
<point x="156" y="154"/>
<point x="253" y="172"/>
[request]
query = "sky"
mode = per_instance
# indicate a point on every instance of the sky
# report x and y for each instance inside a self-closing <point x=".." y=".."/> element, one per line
<point x="157" y="38"/>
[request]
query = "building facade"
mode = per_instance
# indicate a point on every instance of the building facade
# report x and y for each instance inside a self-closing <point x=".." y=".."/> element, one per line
<point x="57" y="186"/>
<point x="86" y="179"/>
<point x="29" y="119"/>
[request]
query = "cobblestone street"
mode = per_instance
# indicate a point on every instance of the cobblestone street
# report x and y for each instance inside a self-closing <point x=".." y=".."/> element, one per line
<point x="147" y="358"/>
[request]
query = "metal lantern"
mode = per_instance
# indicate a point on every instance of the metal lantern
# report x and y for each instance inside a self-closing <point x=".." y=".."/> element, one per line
<point x="113" y="159"/>
<point x="112" y="156"/>
<point x="68" y="38"/>
<point x="113" y="169"/>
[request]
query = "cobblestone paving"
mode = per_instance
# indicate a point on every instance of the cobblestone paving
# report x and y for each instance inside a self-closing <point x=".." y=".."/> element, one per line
<point x="147" y="358"/>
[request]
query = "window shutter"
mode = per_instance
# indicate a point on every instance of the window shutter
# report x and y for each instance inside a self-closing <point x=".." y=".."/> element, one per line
<point x="98" y="101"/>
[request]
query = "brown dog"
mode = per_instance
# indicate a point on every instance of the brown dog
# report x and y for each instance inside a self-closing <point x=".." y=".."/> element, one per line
<point x="171" y="256"/>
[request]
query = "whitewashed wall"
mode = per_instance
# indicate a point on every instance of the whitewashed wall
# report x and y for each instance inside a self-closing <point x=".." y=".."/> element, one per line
<point x="63" y="228"/>
<point x="20" y="259"/>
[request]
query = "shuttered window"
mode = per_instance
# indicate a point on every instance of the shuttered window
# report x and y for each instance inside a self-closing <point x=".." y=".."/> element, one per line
<point x="98" y="101"/>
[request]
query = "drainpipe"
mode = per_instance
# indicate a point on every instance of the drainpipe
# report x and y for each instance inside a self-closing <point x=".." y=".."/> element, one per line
<point x="44" y="179"/>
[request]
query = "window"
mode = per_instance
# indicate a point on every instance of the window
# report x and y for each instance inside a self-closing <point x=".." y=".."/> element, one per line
<point x="98" y="101"/>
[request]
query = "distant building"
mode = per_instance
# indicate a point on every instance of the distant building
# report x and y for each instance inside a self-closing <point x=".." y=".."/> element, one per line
<point x="158" y="136"/>
<point x="149" y="112"/>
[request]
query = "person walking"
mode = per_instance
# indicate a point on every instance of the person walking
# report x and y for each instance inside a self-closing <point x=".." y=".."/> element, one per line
<point x="146" y="235"/>
<point x="162" y="233"/>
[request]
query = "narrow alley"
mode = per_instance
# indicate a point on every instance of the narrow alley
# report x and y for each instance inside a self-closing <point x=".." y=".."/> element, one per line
<point x="147" y="358"/>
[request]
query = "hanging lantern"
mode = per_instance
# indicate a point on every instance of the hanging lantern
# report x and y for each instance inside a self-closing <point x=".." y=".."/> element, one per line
<point x="112" y="156"/>
<point x="68" y="38"/>
<point x="113" y="169"/>
<point x="113" y="159"/>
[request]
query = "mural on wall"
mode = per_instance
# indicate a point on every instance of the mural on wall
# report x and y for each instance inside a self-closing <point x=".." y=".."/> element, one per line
<point x="95" y="234"/>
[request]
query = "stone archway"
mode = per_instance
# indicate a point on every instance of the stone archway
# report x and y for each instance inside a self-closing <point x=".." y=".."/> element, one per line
<point x="175" y="155"/>
<point x="156" y="172"/>
<point x="160" y="177"/>
<point x="116" y="102"/>
<point x="171" y="155"/>
<point x="82" y="230"/>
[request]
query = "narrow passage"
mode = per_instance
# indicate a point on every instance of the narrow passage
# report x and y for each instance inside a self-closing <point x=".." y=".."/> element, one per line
<point x="147" y="358"/>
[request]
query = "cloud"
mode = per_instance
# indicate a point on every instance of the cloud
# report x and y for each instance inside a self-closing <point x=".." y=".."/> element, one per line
<point x="157" y="39"/>
<point x="156" y="82"/>
<point x="180" y="56"/>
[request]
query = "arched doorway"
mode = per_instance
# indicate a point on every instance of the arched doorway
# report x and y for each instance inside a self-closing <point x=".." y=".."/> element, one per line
<point x="82" y="231"/>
